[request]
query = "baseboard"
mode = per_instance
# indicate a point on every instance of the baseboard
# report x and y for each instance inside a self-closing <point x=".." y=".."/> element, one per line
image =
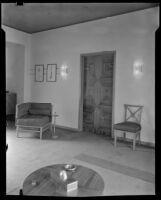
<point x="149" y="144"/>
<point x="66" y="128"/>
<point x="146" y="144"/>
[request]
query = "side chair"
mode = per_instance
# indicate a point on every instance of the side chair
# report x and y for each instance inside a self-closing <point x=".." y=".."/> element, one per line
<point x="131" y="124"/>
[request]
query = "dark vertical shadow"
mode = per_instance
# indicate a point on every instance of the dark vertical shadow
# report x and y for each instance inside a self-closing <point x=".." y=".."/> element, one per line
<point x="2" y="113"/>
<point x="157" y="105"/>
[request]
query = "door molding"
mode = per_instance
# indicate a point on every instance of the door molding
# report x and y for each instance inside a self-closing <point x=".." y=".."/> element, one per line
<point x="82" y="56"/>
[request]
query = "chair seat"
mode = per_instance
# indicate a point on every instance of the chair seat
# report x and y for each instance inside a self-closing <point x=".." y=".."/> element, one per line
<point x="33" y="120"/>
<point x="128" y="126"/>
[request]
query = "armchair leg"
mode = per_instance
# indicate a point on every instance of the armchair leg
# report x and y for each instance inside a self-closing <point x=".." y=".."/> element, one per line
<point x="124" y="135"/>
<point x="115" y="139"/>
<point x="40" y="133"/>
<point x="17" y="128"/>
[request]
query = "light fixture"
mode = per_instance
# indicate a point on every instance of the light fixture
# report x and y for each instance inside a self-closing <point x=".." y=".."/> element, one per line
<point x="137" y="68"/>
<point x="64" y="70"/>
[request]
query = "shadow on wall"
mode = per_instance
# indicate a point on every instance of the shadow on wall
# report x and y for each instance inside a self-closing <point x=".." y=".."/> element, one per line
<point x="15" y="55"/>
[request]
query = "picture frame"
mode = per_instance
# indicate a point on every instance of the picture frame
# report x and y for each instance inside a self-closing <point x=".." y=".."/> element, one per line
<point x="39" y="73"/>
<point x="51" y="72"/>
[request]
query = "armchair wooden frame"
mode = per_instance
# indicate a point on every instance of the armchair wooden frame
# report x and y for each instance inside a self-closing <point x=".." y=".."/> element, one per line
<point x="132" y="116"/>
<point x="34" y="129"/>
<point x="24" y="109"/>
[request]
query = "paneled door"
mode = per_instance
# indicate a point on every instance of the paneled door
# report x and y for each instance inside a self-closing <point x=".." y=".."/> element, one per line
<point x="98" y="92"/>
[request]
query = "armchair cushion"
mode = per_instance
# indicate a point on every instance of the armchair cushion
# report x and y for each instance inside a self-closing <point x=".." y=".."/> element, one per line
<point x="32" y="120"/>
<point x="40" y="105"/>
<point x="128" y="126"/>
<point x="22" y="109"/>
<point x="35" y="111"/>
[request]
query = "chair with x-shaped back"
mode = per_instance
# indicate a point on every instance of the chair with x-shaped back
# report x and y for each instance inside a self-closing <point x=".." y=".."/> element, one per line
<point x="131" y="124"/>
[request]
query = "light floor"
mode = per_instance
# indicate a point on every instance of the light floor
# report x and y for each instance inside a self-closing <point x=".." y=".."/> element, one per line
<point x="29" y="153"/>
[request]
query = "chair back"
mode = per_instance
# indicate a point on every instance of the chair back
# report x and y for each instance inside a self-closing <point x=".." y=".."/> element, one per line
<point x="133" y="113"/>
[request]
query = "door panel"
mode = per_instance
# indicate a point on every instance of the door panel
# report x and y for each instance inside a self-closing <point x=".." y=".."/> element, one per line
<point x="97" y="93"/>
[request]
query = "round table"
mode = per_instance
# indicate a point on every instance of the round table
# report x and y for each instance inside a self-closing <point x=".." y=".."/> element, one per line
<point x="46" y="182"/>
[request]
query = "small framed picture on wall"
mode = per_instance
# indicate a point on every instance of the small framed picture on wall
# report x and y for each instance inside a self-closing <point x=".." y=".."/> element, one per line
<point x="39" y="73"/>
<point x="51" y="72"/>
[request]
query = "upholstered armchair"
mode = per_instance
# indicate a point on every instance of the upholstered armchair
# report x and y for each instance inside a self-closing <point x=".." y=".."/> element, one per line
<point x="33" y="117"/>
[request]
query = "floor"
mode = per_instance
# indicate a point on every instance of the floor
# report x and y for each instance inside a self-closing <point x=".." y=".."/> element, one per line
<point x="124" y="171"/>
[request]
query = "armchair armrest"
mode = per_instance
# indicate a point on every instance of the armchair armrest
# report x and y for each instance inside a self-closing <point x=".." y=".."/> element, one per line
<point x="22" y="109"/>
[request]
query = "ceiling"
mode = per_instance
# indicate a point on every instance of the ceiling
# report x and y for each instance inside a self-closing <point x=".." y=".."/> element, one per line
<point x="37" y="17"/>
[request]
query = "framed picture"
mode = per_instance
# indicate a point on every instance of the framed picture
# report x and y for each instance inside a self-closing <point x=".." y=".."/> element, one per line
<point x="51" y="72"/>
<point x="39" y="73"/>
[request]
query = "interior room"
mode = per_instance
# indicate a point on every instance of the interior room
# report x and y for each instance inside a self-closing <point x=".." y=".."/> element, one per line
<point x="88" y="62"/>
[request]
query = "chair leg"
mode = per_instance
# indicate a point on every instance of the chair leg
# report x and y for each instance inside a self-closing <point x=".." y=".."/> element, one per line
<point x="124" y="135"/>
<point x="139" y="138"/>
<point x="40" y="133"/>
<point x="134" y="141"/>
<point x="115" y="139"/>
<point x="17" y="128"/>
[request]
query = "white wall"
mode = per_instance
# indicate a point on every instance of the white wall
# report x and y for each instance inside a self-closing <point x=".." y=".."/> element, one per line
<point x="21" y="38"/>
<point x="15" y="69"/>
<point x="132" y="35"/>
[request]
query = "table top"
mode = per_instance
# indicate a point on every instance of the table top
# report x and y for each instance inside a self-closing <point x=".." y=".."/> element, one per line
<point x="55" y="115"/>
<point x="48" y="182"/>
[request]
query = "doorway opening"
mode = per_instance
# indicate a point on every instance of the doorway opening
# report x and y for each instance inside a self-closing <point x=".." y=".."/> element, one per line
<point x="96" y="111"/>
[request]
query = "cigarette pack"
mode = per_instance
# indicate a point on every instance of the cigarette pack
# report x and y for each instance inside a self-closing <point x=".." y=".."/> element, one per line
<point x="71" y="184"/>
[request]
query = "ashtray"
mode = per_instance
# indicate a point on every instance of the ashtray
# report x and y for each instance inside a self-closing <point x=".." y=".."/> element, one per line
<point x="70" y="167"/>
<point x="34" y="183"/>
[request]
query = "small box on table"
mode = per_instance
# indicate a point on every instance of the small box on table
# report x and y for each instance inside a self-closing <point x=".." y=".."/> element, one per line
<point x="71" y="184"/>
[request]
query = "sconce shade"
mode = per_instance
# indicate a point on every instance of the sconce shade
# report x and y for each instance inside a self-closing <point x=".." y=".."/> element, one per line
<point x="64" y="71"/>
<point x="137" y="68"/>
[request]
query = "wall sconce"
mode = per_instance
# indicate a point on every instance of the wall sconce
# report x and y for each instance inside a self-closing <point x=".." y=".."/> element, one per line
<point x="64" y="70"/>
<point x="137" y="68"/>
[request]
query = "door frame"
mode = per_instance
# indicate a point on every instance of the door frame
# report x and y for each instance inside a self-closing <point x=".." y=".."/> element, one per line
<point x="80" y="117"/>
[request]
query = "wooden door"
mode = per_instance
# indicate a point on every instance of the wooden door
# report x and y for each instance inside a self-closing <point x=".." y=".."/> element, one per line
<point x="97" y="93"/>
